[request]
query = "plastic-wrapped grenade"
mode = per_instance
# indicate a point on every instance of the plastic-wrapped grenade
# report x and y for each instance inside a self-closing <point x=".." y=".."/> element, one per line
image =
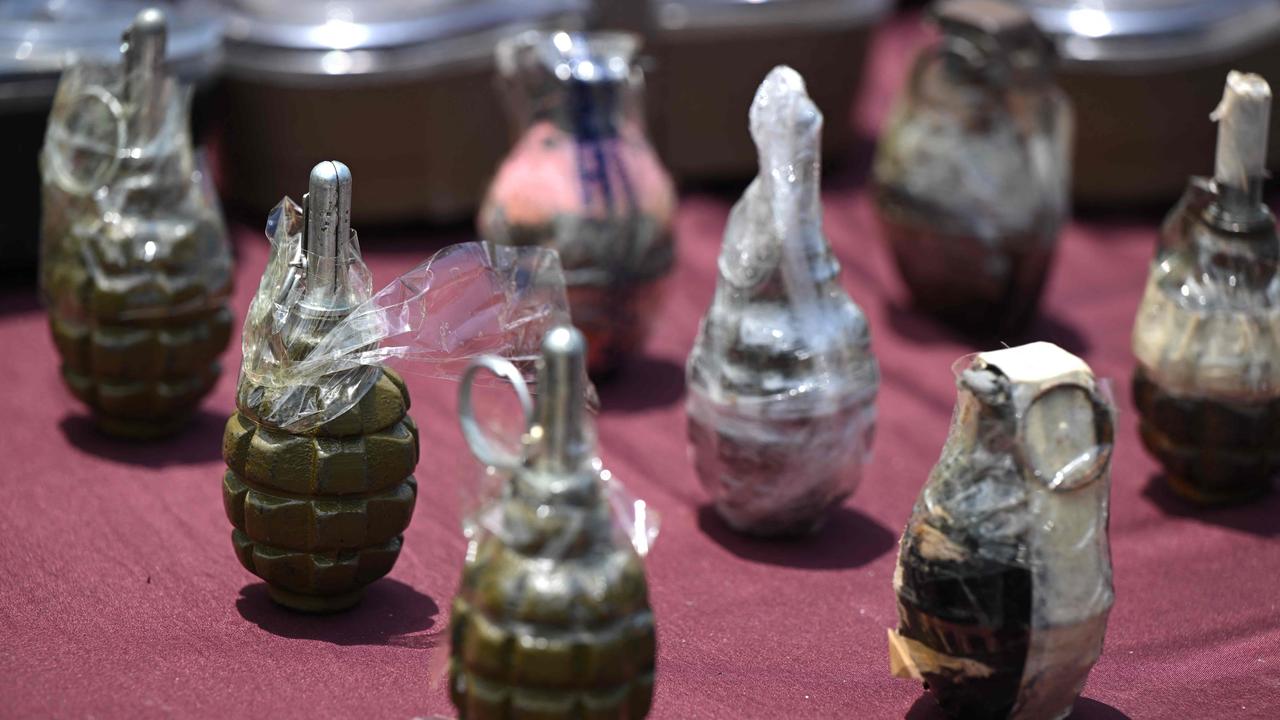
<point x="320" y="514"/>
<point x="1207" y="334"/>
<point x="583" y="179"/>
<point x="135" y="264"/>
<point x="782" y="381"/>
<point x="1004" y="570"/>
<point x="552" y="618"/>
<point x="972" y="172"/>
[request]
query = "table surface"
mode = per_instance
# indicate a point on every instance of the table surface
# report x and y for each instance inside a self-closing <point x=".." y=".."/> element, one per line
<point x="121" y="595"/>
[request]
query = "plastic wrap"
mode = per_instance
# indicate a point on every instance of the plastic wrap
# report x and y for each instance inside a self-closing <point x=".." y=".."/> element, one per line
<point x="301" y="369"/>
<point x="1004" y="572"/>
<point x="584" y="180"/>
<point x="1207" y="332"/>
<point x="782" y="382"/>
<point x="135" y="265"/>
<point x="552" y="613"/>
<point x="972" y="172"/>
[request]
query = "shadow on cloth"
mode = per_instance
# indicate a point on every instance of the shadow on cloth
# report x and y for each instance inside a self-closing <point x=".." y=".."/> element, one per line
<point x="200" y="441"/>
<point x="391" y="613"/>
<point x="1260" y="517"/>
<point x="849" y="539"/>
<point x="644" y="383"/>
<point x="925" y="708"/>
<point x="921" y="327"/>
<point x="23" y="299"/>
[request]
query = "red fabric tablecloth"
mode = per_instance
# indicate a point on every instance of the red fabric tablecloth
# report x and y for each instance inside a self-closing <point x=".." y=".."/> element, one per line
<point x="120" y="595"/>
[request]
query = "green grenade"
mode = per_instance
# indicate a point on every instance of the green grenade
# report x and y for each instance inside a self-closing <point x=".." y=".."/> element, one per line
<point x="135" y="264"/>
<point x="318" y="509"/>
<point x="552" y="618"/>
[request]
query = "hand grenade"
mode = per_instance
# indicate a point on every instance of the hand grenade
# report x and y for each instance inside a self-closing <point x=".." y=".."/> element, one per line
<point x="1004" y="572"/>
<point x="972" y="171"/>
<point x="319" y="514"/>
<point x="1207" y="334"/>
<point x="782" y="382"/>
<point x="552" y="618"/>
<point x="584" y="180"/>
<point x="135" y="264"/>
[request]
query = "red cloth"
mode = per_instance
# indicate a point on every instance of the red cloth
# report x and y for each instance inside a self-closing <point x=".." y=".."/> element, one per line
<point x="121" y="595"/>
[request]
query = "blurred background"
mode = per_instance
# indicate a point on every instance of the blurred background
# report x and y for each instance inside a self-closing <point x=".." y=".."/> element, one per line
<point x="403" y="90"/>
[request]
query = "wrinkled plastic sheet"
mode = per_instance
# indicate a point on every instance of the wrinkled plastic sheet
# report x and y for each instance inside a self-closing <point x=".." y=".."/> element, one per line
<point x="131" y="228"/>
<point x="302" y="369"/>
<point x="631" y="519"/>
<point x="506" y="442"/>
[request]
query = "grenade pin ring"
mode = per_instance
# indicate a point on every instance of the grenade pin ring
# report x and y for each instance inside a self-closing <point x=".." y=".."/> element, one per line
<point x="482" y="446"/>
<point x="1089" y="464"/>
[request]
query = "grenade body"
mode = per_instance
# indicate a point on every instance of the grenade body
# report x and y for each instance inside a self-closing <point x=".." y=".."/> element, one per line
<point x="140" y="349"/>
<point x="972" y="171"/>
<point x="320" y="515"/>
<point x="583" y="179"/>
<point x="1213" y="450"/>
<point x="1205" y="387"/>
<point x="565" y="640"/>
<point x="135" y="266"/>
<point x="552" y="617"/>
<point x="1004" y="577"/>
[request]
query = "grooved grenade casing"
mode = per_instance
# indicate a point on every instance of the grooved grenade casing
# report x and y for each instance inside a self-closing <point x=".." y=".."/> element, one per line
<point x="135" y="265"/>
<point x="319" y="489"/>
<point x="1004" y="572"/>
<point x="552" y="618"/>
<point x="320" y="515"/>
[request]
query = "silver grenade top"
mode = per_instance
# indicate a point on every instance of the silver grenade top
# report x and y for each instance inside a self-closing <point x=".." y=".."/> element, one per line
<point x="553" y="502"/>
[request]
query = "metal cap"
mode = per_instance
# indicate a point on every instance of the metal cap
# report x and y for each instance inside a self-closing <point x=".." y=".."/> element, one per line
<point x="563" y="442"/>
<point x="326" y="234"/>
<point x="144" y="73"/>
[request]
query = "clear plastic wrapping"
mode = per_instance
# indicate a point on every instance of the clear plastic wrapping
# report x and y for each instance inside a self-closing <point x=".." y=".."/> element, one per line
<point x="1209" y="321"/>
<point x="972" y="171"/>
<point x="583" y="179"/>
<point x="1004" y="573"/>
<point x="135" y="266"/>
<point x="782" y="382"/>
<point x="553" y="605"/>
<point x="304" y="367"/>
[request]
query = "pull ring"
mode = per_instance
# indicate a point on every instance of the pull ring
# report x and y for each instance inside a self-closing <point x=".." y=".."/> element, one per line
<point x="1089" y="464"/>
<point x="68" y="171"/>
<point x="485" y="450"/>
